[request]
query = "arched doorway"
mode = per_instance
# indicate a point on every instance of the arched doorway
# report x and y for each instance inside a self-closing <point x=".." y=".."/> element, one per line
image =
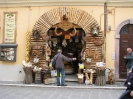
<point x="81" y="20"/>
<point x="124" y="39"/>
<point x="71" y="45"/>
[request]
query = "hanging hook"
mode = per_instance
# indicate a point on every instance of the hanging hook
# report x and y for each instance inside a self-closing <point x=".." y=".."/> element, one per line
<point x="29" y="7"/>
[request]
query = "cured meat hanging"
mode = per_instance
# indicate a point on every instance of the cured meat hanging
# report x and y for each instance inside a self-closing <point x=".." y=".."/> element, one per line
<point x="96" y="55"/>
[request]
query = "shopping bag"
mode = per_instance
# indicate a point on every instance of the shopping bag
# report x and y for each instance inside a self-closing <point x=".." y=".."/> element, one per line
<point x="53" y="73"/>
<point x="50" y="64"/>
<point x="81" y="66"/>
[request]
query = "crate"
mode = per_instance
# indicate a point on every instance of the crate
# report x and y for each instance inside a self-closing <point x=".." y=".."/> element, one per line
<point x="50" y="81"/>
<point x="81" y="81"/>
<point x="38" y="77"/>
<point x="45" y="76"/>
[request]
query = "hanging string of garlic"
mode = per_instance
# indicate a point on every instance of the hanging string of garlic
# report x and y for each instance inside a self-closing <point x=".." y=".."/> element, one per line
<point x="26" y="62"/>
<point x="27" y="51"/>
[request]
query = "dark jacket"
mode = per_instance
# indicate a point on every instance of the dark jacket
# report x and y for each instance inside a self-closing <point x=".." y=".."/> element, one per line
<point x="60" y="60"/>
<point x="129" y="84"/>
<point x="129" y="59"/>
<point x="129" y="81"/>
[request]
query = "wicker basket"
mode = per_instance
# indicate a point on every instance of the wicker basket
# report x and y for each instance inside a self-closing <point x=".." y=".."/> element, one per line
<point x="81" y="81"/>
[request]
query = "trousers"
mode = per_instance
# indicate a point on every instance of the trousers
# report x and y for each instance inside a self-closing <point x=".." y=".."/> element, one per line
<point x="126" y="95"/>
<point x="60" y="72"/>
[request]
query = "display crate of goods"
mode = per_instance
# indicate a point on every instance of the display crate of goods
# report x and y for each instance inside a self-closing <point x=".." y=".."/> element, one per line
<point x="38" y="77"/>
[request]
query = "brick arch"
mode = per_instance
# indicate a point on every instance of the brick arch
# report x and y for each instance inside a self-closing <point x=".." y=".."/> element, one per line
<point x="76" y="16"/>
<point x="117" y="41"/>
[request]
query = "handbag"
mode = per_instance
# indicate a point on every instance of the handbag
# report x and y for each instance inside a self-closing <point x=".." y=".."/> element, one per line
<point x="54" y="62"/>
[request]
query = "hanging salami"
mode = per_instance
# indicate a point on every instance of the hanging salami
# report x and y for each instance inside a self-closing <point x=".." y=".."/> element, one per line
<point x="89" y="52"/>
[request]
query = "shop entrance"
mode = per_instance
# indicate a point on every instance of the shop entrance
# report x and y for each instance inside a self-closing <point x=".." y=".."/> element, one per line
<point x="71" y="46"/>
<point x="68" y="29"/>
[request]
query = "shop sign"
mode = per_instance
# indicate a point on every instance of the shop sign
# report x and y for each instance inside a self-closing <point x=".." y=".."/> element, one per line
<point x="9" y="27"/>
<point x="67" y="36"/>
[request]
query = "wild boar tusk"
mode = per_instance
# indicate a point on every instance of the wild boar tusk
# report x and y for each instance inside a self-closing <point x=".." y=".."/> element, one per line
<point x="73" y="34"/>
<point x="55" y="31"/>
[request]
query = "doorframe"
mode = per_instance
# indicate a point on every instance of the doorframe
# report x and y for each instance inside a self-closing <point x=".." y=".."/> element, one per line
<point x="117" y="40"/>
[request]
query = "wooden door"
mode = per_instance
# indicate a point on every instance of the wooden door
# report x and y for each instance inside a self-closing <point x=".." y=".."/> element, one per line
<point x="126" y="40"/>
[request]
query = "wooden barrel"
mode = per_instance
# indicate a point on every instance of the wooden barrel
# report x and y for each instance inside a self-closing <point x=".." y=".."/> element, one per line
<point x="28" y="75"/>
<point x="100" y="80"/>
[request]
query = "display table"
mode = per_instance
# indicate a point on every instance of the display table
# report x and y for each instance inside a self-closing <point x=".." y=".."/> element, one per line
<point x="100" y="80"/>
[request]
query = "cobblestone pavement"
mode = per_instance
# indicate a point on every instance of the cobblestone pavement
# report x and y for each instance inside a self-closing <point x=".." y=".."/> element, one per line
<point x="17" y="92"/>
<point x="74" y="90"/>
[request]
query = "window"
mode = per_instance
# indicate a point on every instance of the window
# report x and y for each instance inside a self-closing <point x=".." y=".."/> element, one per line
<point x="125" y="30"/>
<point x="8" y="52"/>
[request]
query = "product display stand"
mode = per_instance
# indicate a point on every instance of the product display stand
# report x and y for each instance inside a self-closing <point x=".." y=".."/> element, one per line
<point x="100" y="80"/>
<point x="38" y="77"/>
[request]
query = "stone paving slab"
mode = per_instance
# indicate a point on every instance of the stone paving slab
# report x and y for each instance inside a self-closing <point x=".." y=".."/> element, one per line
<point x="117" y="85"/>
<point x="16" y="92"/>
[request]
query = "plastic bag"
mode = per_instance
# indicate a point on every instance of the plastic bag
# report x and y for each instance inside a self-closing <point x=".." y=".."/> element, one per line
<point x="53" y="73"/>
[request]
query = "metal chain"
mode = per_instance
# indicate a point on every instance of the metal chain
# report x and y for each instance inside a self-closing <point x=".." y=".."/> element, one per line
<point x="38" y="12"/>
